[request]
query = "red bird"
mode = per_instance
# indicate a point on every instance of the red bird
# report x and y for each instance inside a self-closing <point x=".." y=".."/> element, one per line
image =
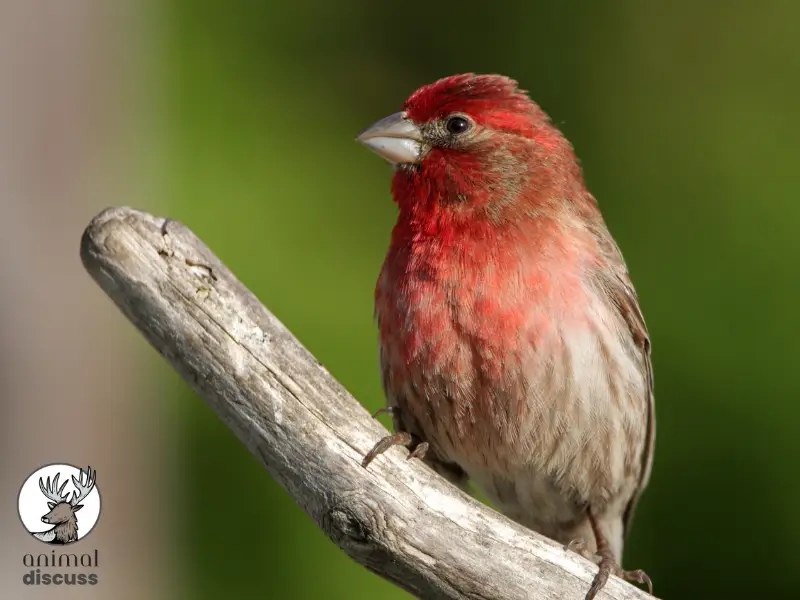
<point x="513" y="351"/>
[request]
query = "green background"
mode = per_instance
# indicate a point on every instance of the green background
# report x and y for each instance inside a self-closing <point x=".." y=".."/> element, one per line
<point x="684" y="116"/>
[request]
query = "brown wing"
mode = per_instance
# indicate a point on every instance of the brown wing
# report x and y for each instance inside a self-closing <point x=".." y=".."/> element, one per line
<point x="628" y="303"/>
<point x="617" y="284"/>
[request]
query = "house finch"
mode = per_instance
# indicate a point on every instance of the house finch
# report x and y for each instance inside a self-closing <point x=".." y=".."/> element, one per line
<point x="512" y="348"/>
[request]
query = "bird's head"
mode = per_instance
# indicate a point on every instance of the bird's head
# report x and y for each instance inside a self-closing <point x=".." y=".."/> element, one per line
<point x="474" y="142"/>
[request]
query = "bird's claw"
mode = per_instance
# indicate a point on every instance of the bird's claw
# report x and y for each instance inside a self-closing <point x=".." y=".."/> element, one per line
<point x="419" y="451"/>
<point x="579" y="546"/>
<point x="401" y="438"/>
<point x="609" y="566"/>
<point x="637" y="576"/>
<point x="386" y="410"/>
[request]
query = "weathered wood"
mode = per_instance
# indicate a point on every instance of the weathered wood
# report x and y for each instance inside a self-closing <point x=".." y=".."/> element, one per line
<point x="397" y="518"/>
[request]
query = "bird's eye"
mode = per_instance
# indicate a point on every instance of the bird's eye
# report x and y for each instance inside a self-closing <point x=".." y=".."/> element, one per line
<point x="456" y="125"/>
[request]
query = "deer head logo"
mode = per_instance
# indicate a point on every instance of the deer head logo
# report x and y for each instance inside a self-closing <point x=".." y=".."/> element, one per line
<point x="63" y="505"/>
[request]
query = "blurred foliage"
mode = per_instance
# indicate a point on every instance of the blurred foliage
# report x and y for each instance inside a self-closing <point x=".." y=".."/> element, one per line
<point x="684" y="116"/>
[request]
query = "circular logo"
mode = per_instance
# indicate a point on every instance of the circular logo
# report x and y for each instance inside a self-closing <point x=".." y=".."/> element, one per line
<point x="60" y="504"/>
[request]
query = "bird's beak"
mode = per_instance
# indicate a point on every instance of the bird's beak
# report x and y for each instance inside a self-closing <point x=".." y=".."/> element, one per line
<point x="395" y="138"/>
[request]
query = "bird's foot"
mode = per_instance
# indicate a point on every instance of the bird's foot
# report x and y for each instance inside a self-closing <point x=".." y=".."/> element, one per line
<point x="386" y="410"/>
<point x="608" y="566"/>
<point x="579" y="546"/>
<point x="608" y="563"/>
<point x="401" y="438"/>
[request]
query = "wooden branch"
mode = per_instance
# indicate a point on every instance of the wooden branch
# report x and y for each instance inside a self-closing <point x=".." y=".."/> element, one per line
<point x="397" y="518"/>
